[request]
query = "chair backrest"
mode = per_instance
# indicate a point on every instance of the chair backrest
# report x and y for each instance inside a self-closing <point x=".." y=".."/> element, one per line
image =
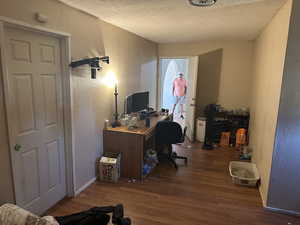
<point x="168" y="132"/>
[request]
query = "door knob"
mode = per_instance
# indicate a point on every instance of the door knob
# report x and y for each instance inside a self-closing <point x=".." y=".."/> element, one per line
<point x="17" y="147"/>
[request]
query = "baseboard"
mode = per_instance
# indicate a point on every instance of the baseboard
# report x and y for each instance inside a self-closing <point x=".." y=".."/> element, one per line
<point x="81" y="189"/>
<point x="262" y="197"/>
<point x="282" y="211"/>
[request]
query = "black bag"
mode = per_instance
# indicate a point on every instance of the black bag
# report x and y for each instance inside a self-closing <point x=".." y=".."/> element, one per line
<point x="96" y="216"/>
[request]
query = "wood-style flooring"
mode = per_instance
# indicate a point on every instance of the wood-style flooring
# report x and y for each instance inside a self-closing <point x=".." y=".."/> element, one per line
<point x="200" y="194"/>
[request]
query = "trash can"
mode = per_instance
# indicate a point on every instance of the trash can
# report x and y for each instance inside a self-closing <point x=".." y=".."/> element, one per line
<point x="109" y="167"/>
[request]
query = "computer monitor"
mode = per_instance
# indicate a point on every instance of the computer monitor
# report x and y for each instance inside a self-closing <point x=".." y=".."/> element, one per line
<point x="137" y="102"/>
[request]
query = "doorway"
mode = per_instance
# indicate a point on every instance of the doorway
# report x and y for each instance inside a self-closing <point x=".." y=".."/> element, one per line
<point x="37" y="101"/>
<point x="170" y="70"/>
<point x="203" y="75"/>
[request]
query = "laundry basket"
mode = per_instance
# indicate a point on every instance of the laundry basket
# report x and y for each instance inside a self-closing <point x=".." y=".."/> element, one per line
<point x="244" y="173"/>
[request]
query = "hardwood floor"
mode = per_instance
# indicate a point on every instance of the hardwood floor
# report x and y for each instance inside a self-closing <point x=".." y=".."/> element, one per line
<point x="200" y="194"/>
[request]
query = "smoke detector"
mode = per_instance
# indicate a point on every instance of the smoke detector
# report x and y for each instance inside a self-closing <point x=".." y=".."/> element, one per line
<point x="202" y="3"/>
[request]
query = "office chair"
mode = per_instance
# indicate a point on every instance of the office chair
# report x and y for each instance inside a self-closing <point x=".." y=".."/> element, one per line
<point x="168" y="133"/>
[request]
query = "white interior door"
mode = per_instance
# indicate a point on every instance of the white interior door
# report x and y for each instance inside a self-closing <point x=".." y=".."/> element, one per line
<point x="191" y="96"/>
<point x="35" y="118"/>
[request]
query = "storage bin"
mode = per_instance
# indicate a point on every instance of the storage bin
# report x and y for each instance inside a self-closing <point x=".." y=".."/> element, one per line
<point x="109" y="167"/>
<point x="225" y="139"/>
<point x="244" y="173"/>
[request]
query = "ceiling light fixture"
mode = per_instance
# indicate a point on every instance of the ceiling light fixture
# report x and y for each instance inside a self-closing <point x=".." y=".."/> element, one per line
<point x="202" y="3"/>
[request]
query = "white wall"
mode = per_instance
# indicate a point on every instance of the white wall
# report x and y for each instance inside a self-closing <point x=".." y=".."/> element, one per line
<point x="208" y="82"/>
<point x="149" y="80"/>
<point x="133" y="59"/>
<point x="269" y="55"/>
<point x="236" y="71"/>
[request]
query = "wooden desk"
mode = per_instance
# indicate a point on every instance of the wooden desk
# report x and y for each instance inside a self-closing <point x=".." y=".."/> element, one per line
<point x="132" y="144"/>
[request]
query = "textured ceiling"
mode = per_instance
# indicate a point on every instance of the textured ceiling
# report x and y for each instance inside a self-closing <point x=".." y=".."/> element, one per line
<point x="169" y="21"/>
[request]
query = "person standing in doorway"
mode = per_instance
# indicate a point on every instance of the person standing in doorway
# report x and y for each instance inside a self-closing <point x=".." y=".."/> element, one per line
<point x="179" y="93"/>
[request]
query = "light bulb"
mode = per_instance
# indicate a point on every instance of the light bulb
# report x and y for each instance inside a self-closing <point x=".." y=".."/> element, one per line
<point x="110" y="79"/>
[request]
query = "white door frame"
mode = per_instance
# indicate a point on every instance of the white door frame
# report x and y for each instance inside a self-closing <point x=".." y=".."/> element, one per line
<point x="65" y="41"/>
